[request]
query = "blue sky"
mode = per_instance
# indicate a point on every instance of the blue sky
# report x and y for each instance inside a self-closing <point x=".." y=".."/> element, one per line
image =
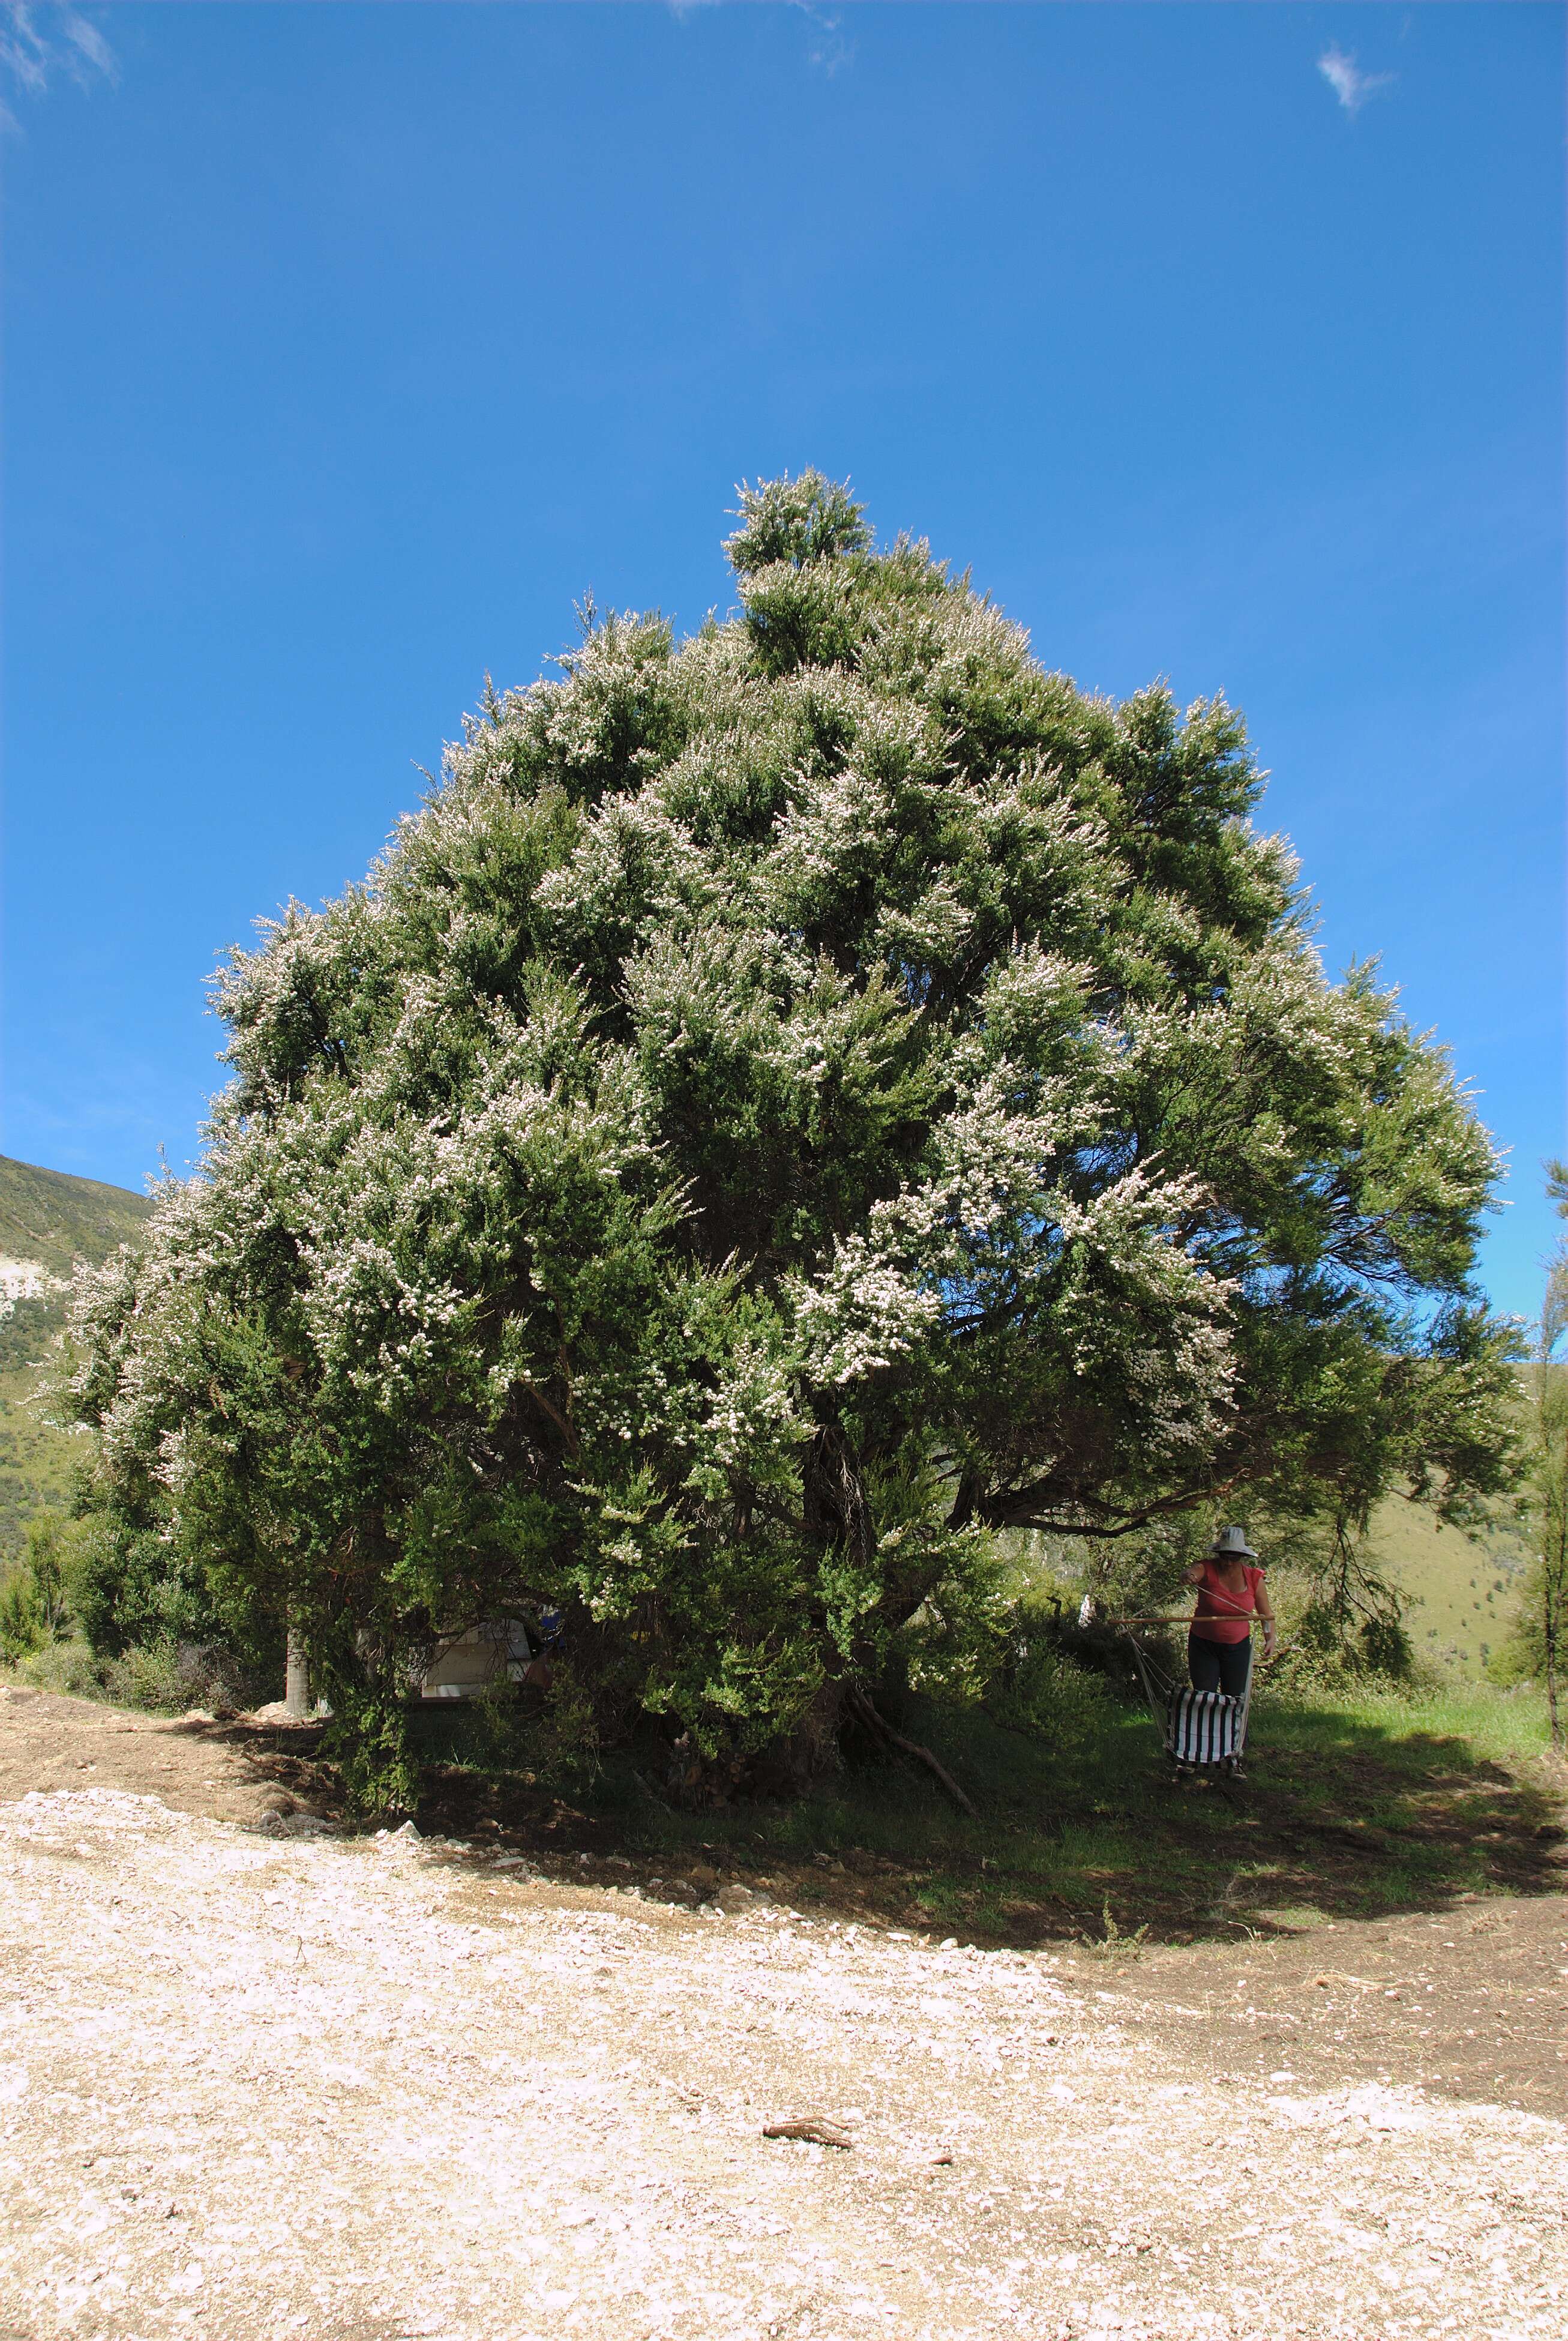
<point x="346" y="346"/>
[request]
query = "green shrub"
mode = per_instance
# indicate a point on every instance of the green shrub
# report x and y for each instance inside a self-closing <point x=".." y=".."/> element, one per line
<point x="1323" y="1647"/>
<point x="958" y="1640"/>
<point x="68" y="1668"/>
<point x="368" y="1737"/>
<point x="1384" y="1648"/>
<point x="1521" y="1657"/>
<point x="129" y="1590"/>
<point x="21" y="1630"/>
<point x="1019" y="1655"/>
<point x="1046" y="1693"/>
<point x="170" y="1678"/>
<point x="168" y="1635"/>
<point x="162" y="1676"/>
<point x="34" y="1606"/>
<point x="554" y="1737"/>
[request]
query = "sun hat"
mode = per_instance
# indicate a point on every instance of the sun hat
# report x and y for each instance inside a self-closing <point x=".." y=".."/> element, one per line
<point x="1233" y="1543"/>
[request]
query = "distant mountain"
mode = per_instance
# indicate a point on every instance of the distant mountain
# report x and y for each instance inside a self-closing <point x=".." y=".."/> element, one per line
<point x="48" y="1221"/>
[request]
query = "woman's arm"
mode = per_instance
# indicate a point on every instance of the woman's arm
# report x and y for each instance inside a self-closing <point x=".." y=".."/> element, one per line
<point x="1266" y="1611"/>
<point x="1193" y="1576"/>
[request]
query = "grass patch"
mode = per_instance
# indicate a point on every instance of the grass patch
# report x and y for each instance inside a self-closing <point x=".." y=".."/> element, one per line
<point x="1356" y="1804"/>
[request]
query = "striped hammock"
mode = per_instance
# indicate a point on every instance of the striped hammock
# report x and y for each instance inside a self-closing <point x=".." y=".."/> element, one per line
<point x="1205" y="1727"/>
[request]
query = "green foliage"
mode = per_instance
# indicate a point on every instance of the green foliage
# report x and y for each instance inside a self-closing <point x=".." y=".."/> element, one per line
<point x="97" y="1609"/>
<point x="154" y="1675"/>
<point x="1112" y="1943"/>
<point x="162" y="1676"/>
<point x="790" y="1108"/>
<point x="1521" y="1656"/>
<point x="1042" y="1688"/>
<point x="21" y="1629"/>
<point x="1352" y="1620"/>
<point x="126" y="1591"/>
<point x="564" y="1740"/>
<point x="131" y="1585"/>
<point x="369" y="1738"/>
<point x="1539" y="1644"/>
<point x="67" y="1668"/>
<point x="510" y="1730"/>
<point x="1330" y="1644"/>
<point x="34" y="1595"/>
<point x="979" y="1640"/>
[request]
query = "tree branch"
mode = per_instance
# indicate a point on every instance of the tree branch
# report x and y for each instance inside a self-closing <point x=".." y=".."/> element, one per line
<point x="862" y="1706"/>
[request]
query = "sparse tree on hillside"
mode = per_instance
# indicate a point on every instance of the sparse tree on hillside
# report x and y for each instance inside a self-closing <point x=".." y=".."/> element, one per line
<point x="791" y="1105"/>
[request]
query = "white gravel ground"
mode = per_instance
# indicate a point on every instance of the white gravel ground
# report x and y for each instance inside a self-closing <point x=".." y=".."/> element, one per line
<point x="367" y="2088"/>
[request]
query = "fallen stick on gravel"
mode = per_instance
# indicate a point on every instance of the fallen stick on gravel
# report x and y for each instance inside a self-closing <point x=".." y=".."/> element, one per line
<point x="810" y="2128"/>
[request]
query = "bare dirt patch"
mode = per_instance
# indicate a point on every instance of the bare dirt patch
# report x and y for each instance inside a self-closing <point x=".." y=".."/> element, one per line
<point x="1469" y="2003"/>
<point x="228" y="1770"/>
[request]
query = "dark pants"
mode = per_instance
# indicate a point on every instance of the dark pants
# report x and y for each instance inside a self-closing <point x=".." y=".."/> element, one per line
<point x="1219" y="1665"/>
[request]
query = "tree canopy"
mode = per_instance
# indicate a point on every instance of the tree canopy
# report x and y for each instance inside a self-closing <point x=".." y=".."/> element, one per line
<point x="791" y="1105"/>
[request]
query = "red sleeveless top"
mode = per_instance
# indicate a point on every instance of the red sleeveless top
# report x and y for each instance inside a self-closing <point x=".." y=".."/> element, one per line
<point x="1223" y="1613"/>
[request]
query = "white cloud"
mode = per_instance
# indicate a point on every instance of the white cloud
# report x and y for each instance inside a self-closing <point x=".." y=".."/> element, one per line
<point x="38" y="42"/>
<point x="1348" y="83"/>
<point x="24" y="51"/>
<point x="90" y="45"/>
<point x="830" y="48"/>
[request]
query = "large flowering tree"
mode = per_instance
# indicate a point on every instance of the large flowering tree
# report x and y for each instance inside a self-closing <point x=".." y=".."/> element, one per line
<point x="790" y="1106"/>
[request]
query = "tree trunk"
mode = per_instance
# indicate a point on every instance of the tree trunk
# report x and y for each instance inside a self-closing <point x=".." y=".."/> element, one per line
<point x="296" y="1679"/>
<point x="1550" y="1638"/>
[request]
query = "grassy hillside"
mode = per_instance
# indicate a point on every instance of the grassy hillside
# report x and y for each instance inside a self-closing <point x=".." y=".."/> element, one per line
<point x="51" y="1217"/>
<point x="48" y="1221"/>
<point x="1459" y="1594"/>
<point x="1462" y="1592"/>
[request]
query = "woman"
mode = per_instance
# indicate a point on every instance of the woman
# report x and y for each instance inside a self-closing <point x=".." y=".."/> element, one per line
<point x="1229" y="1594"/>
